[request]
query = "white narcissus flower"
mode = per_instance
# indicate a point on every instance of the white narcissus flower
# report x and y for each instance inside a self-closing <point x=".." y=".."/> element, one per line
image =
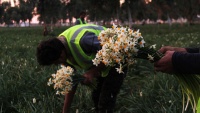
<point x="95" y="62"/>
<point x="130" y="31"/>
<point x="123" y="30"/>
<point x="141" y="43"/>
<point x="49" y="82"/>
<point x="150" y="57"/>
<point x="57" y="93"/>
<point x="114" y="26"/>
<point x="34" y="100"/>
<point x="119" y="70"/>
<point x="2" y="62"/>
<point x="53" y="75"/>
<point x="153" y="46"/>
<point x="141" y="94"/>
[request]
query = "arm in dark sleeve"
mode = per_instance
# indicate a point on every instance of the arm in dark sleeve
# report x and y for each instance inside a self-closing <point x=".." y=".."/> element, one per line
<point x="193" y="50"/>
<point x="90" y="43"/>
<point x="186" y="63"/>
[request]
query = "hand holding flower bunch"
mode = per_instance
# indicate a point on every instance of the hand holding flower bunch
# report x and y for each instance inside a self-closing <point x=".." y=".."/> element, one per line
<point x="121" y="46"/>
<point x="65" y="78"/>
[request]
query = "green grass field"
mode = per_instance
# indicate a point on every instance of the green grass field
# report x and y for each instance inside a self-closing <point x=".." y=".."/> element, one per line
<point x="143" y="91"/>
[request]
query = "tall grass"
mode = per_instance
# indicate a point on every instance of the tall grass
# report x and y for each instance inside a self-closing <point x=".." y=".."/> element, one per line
<point x="143" y="91"/>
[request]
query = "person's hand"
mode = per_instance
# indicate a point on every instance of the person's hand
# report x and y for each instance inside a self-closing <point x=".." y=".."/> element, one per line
<point x="165" y="63"/>
<point x="88" y="78"/>
<point x="170" y="48"/>
<point x="90" y="75"/>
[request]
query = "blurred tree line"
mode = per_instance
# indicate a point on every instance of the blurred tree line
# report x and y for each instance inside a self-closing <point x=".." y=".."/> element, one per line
<point x="54" y="11"/>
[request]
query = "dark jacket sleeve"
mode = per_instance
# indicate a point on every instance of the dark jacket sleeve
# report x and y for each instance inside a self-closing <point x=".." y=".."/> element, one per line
<point x="186" y="63"/>
<point x="90" y="43"/>
<point x="193" y="50"/>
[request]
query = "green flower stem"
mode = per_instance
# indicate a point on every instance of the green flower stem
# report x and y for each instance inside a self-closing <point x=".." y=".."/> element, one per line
<point x="190" y="84"/>
<point x="145" y="51"/>
<point x="198" y="106"/>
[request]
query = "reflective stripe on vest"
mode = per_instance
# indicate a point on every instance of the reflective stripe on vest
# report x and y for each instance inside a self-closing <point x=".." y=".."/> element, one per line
<point x="80" y="21"/>
<point x="73" y="36"/>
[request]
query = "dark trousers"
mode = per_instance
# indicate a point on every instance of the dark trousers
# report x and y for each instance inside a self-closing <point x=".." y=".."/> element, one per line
<point x="105" y="95"/>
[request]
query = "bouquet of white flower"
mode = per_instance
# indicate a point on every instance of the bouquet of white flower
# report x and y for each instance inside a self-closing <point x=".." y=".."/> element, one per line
<point x="121" y="46"/>
<point x="65" y="78"/>
<point x="62" y="80"/>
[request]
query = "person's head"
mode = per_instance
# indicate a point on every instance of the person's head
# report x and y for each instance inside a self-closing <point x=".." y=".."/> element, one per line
<point x="82" y="14"/>
<point x="51" y="51"/>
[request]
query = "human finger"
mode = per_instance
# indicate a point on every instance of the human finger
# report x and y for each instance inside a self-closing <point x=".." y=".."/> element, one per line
<point x="164" y="49"/>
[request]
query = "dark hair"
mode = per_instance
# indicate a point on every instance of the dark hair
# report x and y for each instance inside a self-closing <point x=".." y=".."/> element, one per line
<point x="82" y="13"/>
<point x="49" y="51"/>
